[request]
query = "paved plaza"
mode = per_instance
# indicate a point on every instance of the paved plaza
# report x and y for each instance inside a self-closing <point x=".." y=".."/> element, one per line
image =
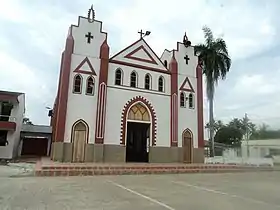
<point x="242" y="191"/>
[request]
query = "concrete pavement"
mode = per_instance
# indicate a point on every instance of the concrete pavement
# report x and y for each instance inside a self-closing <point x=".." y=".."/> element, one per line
<point x="242" y="191"/>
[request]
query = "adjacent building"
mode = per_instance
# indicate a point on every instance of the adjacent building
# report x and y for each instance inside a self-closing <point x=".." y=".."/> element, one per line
<point x="12" y="106"/>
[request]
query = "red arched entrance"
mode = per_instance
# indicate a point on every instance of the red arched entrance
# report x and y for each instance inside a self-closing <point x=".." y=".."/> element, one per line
<point x="138" y="129"/>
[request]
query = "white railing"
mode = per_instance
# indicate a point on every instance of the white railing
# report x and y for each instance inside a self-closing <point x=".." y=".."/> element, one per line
<point x="7" y="118"/>
<point x="240" y="161"/>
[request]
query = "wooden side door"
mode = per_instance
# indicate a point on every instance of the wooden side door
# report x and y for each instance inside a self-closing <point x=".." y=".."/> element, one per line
<point x="187" y="147"/>
<point x="79" y="146"/>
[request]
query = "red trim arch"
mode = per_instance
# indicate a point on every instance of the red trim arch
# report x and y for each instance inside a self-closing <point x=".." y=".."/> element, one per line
<point x="124" y="114"/>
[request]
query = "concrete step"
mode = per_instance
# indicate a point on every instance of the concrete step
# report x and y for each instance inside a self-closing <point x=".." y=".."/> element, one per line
<point x="83" y="171"/>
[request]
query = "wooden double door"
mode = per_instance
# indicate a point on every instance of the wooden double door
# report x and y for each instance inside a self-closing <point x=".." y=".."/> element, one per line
<point x="137" y="142"/>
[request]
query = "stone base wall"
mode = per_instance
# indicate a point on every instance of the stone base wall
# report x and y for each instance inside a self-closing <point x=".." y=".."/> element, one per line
<point x="62" y="152"/>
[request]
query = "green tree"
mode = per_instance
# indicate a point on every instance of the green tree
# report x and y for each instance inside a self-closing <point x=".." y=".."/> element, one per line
<point x="237" y="123"/>
<point x="263" y="132"/>
<point x="216" y="64"/>
<point x="245" y="125"/>
<point x="248" y="127"/>
<point x="229" y="135"/>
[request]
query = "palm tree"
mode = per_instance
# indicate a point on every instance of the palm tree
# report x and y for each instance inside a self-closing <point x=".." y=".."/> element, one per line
<point x="216" y="64"/>
<point x="217" y="125"/>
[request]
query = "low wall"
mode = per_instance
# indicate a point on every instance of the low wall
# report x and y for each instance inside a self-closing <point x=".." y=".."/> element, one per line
<point x="239" y="161"/>
<point x="276" y="160"/>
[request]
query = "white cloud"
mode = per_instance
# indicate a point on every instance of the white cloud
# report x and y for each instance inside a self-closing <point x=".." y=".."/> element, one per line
<point x="11" y="10"/>
<point x="242" y="25"/>
<point x="17" y="76"/>
<point x="257" y="85"/>
<point x="248" y="29"/>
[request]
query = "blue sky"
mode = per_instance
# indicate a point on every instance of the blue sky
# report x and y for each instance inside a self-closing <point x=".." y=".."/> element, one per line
<point x="33" y="33"/>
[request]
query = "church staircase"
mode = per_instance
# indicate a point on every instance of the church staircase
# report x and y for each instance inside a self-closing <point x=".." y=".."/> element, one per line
<point x="90" y="169"/>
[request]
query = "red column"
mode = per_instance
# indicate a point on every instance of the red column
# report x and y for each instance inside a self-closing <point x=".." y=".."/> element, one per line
<point x="199" y="89"/>
<point x="102" y="93"/>
<point x="63" y="88"/>
<point x="173" y="66"/>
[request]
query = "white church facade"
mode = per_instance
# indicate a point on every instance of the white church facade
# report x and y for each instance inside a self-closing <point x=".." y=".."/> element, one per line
<point x="130" y="107"/>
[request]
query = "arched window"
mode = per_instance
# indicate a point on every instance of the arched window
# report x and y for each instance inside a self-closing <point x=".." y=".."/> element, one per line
<point x="182" y="99"/>
<point x="77" y="84"/>
<point x="90" y="86"/>
<point x="138" y="112"/>
<point x="165" y="63"/>
<point x="160" y="84"/>
<point x="148" y="81"/>
<point x="191" y="101"/>
<point x="133" y="79"/>
<point x="118" y="77"/>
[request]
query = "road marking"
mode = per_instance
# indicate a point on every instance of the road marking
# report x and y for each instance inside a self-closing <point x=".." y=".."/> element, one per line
<point x="141" y="195"/>
<point x="224" y="193"/>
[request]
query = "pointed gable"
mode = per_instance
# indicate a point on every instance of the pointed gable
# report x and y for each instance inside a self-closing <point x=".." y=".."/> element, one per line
<point x="187" y="86"/>
<point x="139" y="55"/>
<point x="85" y="67"/>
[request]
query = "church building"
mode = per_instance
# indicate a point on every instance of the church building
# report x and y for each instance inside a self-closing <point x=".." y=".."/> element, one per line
<point x="129" y="107"/>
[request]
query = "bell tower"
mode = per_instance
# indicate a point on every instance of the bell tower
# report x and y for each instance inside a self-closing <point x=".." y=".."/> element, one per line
<point x="83" y="82"/>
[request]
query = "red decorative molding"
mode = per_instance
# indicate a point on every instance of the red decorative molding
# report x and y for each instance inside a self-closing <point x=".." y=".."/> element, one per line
<point x="134" y="43"/>
<point x="63" y="88"/>
<point x="124" y="116"/>
<point x="79" y="70"/>
<point x="101" y="114"/>
<point x="130" y="56"/>
<point x="138" y="89"/>
<point x="56" y="104"/>
<point x="140" y="66"/>
<point x="102" y="93"/>
<point x="190" y="85"/>
<point x="155" y="54"/>
<point x="8" y="125"/>
<point x="173" y="66"/>
<point x="200" y="123"/>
